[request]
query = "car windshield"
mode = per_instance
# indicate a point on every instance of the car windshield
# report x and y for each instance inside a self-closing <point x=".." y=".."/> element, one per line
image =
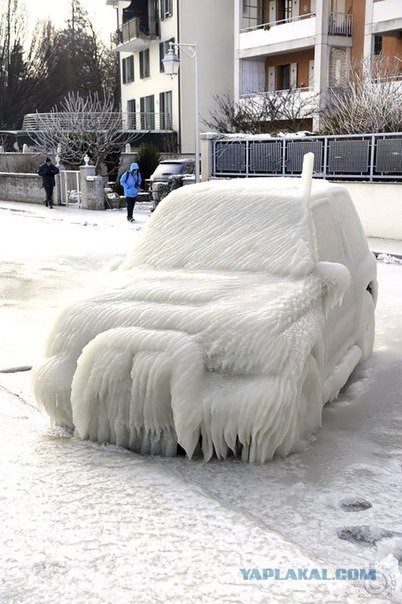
<point x="230" y="225"/>
<point x="170" y="169"/>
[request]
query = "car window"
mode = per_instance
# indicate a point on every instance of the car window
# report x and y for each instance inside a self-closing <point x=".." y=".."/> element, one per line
<point x="167" y="169"/>
<point x="228" y="226"/>
<point x="349" y="225"/>
<point x="330" y="246"/>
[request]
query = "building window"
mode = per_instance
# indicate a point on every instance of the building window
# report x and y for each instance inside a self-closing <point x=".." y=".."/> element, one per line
<point x="283" y="77"/>
<point x="144" y="64"/>
<point x="166" y="110"/>
<point x="163" y="50"/>
<point x="377" y="45"/>
<point x="251" y="15"/>
<point x="147" y="108"/>
<point x="128" y="69"/>
<point x="285" y="10"/>
<point x="166" y="9"/>
<point x="131" y="115"/>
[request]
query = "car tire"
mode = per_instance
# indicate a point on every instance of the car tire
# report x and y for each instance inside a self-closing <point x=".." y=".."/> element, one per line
<point x="310" y="401"/>
<point x="367" y="328"/>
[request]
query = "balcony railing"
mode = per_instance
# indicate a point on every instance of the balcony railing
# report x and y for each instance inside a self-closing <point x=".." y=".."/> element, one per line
<point x="146" y="121"/>
<point x="135" y="29"/>
<point x="97" y="121"/>
<point x="257" y="93"/>
<point x="267" y="26"/>
<point x="340" y="24"/>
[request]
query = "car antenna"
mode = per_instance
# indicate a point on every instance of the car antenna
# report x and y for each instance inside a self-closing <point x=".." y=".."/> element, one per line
<point x="307" y="175"/>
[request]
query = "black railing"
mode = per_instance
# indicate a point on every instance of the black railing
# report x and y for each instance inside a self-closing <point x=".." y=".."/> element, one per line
<point x="369" y="157"/>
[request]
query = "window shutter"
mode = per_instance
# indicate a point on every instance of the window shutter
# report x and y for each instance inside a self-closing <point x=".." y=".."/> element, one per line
<point x="295" y="8"/>
<point x="293" y="75"/>
<point x="261" y="76"/>
<point x="252" y="77"/>
<point x="311" y="74"/>
<point x="271" y="79"/>
<point x="272" y="11"/>
<point x="124" y="67"/>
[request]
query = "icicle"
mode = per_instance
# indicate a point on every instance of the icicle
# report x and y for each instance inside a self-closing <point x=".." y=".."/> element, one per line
<point x="307" y="175"/>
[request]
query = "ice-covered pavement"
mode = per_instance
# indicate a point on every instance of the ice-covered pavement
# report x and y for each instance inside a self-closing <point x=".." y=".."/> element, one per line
<point x="85" y="523"/>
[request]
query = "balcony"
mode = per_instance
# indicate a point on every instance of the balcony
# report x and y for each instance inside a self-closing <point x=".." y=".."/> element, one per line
<point x="387" y="17"/>
<point x="296" y="33"/>
<point x="294" y="104"/>
<point x="136" y="35"/>
<point x="93" y="121"/>
<point x="340" y="24"/>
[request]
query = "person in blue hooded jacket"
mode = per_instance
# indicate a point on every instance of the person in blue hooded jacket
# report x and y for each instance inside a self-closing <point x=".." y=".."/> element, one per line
<point x="131" y="183"/>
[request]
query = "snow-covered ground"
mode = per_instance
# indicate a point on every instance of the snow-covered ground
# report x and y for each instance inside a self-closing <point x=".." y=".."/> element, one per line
<point x="82" y="522"/>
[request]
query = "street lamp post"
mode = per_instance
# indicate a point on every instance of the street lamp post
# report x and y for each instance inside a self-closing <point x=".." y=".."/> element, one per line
<point x="171" y="65"/>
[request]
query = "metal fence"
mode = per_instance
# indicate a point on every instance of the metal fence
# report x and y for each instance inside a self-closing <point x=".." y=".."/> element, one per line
<point x="98" y="121"/>
<point x="368" y="157"/>
<point x="70" y="188"/>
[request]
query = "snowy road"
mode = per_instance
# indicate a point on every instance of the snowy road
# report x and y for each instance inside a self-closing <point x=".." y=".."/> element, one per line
<point x="85" y="523"/>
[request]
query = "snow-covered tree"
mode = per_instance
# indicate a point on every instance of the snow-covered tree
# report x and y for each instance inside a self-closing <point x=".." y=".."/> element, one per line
<point x="82" y="126"/>
<point x="263" y="113"/>
<point x="369" y="102"/>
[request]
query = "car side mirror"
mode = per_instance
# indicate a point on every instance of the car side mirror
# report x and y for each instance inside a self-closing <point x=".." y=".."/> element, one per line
<point x="335" y="280"/>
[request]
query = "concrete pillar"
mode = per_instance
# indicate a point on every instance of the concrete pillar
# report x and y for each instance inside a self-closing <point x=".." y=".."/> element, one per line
<point x="321" y="55"/>
<point x="207" y="139"/>
<point x="92" y="193"/>
<point x="368" y="32"/>
<point x="58" y="195"/>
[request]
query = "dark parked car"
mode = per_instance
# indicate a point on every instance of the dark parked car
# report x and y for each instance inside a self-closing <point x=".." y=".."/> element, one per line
<point x="168" y="176"/>
<point x="172" y="167"/>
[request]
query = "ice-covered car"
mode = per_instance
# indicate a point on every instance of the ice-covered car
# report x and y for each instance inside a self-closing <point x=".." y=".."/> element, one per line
<point x="244" y="307"/>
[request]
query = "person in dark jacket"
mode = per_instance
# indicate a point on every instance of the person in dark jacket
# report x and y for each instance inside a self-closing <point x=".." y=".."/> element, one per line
<point x="131" y="183"/>
<point x="48" y="171"/>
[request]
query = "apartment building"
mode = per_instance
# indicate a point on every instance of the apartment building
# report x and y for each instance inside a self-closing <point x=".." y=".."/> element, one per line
<point x="151" y="100"/>
<point x="309" y="45"/>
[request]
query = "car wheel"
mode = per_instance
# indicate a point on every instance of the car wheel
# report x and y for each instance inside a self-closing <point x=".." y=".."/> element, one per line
<point x="367" y="327"/>
<point x="310" y="403"/>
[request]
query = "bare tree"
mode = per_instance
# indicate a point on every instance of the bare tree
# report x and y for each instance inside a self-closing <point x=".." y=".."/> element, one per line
<point x="369" y="102"/>
<point x="82" y="126"/>
<point x="263" y="113"/>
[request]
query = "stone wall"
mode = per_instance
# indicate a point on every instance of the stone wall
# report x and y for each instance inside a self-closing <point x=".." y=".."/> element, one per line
<point x="20" y="162"/>
<point x="21" y="187"/>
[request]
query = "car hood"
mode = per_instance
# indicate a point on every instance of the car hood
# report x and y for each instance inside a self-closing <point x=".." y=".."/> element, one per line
<point x="214" y="333"/>
<point x="230" y="315"/>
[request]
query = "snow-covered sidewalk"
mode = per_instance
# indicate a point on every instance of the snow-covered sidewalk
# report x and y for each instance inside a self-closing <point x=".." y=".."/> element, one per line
<point x="82" y="522"/>
<point x="85" y="523"/>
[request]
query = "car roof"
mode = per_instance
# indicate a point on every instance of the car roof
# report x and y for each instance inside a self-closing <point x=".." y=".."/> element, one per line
<point x="257" y="225"/>
<point x="273" y="186"/>
<point x="183" y="160"/>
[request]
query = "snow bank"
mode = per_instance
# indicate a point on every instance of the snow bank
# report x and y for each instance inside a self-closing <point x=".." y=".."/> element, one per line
<point x="204" y="335"/>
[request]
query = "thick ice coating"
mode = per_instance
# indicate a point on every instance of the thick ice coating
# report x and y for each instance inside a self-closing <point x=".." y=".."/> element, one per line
<point x="207" y="336"/>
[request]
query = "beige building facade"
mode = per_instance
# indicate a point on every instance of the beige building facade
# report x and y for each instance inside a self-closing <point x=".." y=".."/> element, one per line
<point x="150" y="98"/>
<point x="310" y="45"/>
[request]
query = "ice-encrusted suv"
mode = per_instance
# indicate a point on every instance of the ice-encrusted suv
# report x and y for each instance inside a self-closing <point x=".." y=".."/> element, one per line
<point x="244" y="307"/>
